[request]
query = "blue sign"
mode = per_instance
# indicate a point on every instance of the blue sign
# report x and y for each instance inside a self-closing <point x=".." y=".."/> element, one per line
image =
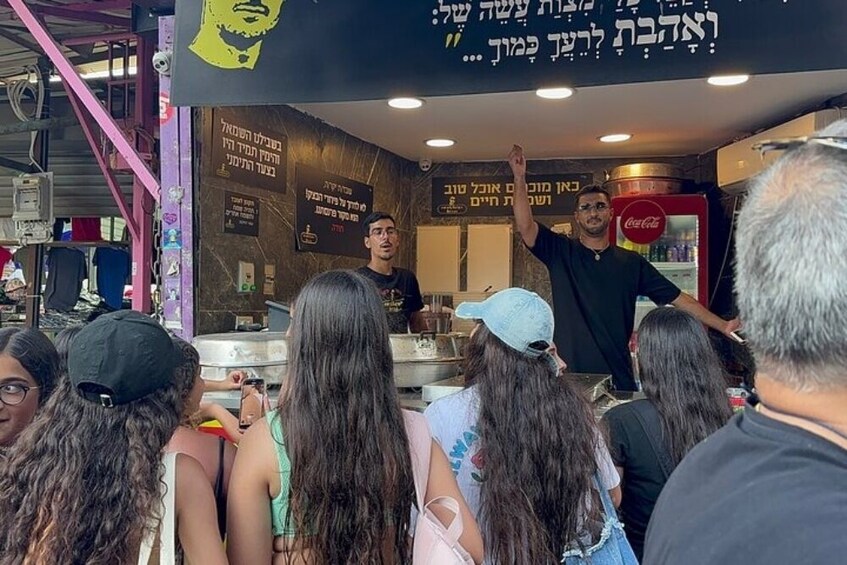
<point x="248" y="52"/>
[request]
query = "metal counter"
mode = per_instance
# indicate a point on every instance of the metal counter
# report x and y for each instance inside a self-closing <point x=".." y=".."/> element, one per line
<point x="596" y="388"/>
<point x="231" y="399"/>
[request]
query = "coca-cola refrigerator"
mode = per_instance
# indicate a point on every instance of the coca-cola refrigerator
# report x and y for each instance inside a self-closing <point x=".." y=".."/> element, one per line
<point x="670" y="231"/>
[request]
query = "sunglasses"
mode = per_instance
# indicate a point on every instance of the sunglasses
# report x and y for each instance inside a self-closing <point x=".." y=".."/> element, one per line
<point x="788" y="143"/>
<point x="599" y="206"/>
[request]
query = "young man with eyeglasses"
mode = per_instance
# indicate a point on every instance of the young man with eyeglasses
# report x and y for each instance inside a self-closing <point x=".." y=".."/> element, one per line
<point x="595" y="284"/>
<point x="401" y="294"/>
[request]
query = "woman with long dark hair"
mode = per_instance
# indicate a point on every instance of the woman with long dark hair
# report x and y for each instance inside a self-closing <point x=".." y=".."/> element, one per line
<point x="327" y="477"/>
<point x="686" y="401"/>
<point x="87" y="481"/>
<point x="29" y="369"/>
<point x="215" y="454"/>
<point x="523" y="442"/>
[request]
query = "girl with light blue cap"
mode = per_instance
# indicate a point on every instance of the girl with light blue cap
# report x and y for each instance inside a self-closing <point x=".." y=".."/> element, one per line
<point x="523" y="443"/>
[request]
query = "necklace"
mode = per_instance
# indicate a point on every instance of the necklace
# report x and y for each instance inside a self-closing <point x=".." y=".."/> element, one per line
<point x="597" y="252"/>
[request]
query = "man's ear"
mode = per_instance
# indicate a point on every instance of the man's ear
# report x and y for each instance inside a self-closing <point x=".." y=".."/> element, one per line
<point x="367" y="243"/>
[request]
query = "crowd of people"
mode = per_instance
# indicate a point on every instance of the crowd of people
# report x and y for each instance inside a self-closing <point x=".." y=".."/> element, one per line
<point x="101" y="463"/>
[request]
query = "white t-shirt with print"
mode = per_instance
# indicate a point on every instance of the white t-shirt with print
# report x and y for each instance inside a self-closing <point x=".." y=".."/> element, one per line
<point x="453" y="421"/>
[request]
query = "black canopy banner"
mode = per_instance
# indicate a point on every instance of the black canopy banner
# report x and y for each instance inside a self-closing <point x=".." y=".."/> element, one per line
<point x="549" y="195"/>
<point x="248" y="52"/>
<point x="329" y="213"/>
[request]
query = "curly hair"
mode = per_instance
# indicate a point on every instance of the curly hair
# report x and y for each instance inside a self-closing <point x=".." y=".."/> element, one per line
<point x="351" y="480"/>
<point x="538" y="442"/>
<point x="683" y="378"/>
<point x="82" y="483"/>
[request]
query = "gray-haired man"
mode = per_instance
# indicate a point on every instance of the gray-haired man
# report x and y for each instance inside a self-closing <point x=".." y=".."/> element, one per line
<point x="771" y="486"/>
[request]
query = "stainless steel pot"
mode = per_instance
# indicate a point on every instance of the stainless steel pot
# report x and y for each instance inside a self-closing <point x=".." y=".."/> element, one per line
<point x="419" y="359"/>
<point x="424" y="346"/>
<point x="644" y="178"/>
<point x="265" y="354"/>
<point x="423" y="358"/>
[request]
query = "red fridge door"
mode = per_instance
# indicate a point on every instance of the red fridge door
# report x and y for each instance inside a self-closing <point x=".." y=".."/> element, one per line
<point x="670" y="232"/>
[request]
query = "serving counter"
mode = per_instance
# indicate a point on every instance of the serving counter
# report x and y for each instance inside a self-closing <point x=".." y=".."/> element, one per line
<point x="596" y="388"/>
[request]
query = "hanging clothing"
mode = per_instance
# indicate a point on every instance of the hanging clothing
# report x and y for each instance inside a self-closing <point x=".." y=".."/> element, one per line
<point x="65" y="272"/>
<point x="5" y="257"/>
<point x="113" y="268"/>
<point x="85" y="229"/>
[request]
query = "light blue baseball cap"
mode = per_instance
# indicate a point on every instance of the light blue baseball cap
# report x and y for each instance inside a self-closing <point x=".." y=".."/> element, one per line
<point x="517" y="316"/>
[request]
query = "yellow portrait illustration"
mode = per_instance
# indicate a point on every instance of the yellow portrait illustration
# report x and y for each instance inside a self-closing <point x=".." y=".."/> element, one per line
<point x="231" y="31"/>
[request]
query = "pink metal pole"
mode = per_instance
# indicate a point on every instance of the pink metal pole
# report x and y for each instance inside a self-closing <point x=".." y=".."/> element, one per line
<point x="111" y="180"/>
<point x="86" y="95"/>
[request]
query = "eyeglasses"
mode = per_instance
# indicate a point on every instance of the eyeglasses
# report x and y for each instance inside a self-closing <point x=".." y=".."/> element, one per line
<point x="794" y="142"/>
<point x="379" y="232"/>
<point x="599" y="206"/>
<point x="14" y="394"/>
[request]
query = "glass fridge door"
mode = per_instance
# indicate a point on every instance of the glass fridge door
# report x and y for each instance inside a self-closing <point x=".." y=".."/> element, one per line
<point x="675" y="255"/>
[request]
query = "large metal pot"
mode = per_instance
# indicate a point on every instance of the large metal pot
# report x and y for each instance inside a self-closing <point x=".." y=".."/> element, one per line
<point x="265" y="354"/>
<point x="644" y="178"/>
<point x="424" y="358"/>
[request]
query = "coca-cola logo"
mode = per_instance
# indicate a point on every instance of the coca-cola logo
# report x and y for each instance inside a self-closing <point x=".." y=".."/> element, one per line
<point x="643" y="221"/>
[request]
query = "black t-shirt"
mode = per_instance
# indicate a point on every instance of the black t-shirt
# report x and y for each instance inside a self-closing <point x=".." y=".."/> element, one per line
<point x="758" y="491"/>
<point x="401" y="296"/>
<point x="594" y="302"/>
<point x="65" y="272"/>
<point x="643" y="477"/>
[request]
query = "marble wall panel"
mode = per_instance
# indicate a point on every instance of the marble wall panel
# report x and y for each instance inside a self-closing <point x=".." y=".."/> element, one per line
<point x="314" y="143"/>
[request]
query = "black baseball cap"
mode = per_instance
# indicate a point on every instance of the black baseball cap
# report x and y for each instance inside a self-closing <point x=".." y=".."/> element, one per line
<point x="121" y="357"/>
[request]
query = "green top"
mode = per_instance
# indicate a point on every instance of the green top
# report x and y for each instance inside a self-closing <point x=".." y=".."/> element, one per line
<point x="279" y="503"/>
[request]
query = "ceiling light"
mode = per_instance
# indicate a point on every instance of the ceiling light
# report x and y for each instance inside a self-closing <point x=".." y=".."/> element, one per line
<point x="405" y="103"/>
<point x="728" y="80"/>
<point x="554" y="93"/>
<point x="615" y="137"/>
<point x="440" y="142"/>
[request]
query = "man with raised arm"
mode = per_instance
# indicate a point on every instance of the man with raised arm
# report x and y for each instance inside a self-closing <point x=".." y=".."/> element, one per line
<point x="595" y="285"/>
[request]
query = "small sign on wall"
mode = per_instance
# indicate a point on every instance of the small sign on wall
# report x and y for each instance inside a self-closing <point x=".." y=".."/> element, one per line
<point x="330" y="210"/>
<point x="241" y="214"/>
<point x="549" y="195"/>
<point x="247" y="153"/>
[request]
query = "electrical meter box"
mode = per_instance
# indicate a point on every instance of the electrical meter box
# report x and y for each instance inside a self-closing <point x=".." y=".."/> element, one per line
<point x="32" y="197"/>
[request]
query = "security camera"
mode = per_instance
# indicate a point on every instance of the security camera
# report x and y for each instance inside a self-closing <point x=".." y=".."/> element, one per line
<point x="162" y="62"/>
<point x="425" y="164"/>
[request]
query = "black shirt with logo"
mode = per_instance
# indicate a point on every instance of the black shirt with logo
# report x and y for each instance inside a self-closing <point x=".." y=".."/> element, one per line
<point x="756" y="492"/>
<point x="594" y="302"/>
<point x="401" y="296"/>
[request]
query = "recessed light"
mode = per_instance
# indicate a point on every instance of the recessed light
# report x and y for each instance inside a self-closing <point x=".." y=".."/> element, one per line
<point x="405" y="103"/>
<point x="728" y="80"/>
<point x="440" y="142"/>
<point x="615" y="137"/>
<point x="554" y="93"/>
